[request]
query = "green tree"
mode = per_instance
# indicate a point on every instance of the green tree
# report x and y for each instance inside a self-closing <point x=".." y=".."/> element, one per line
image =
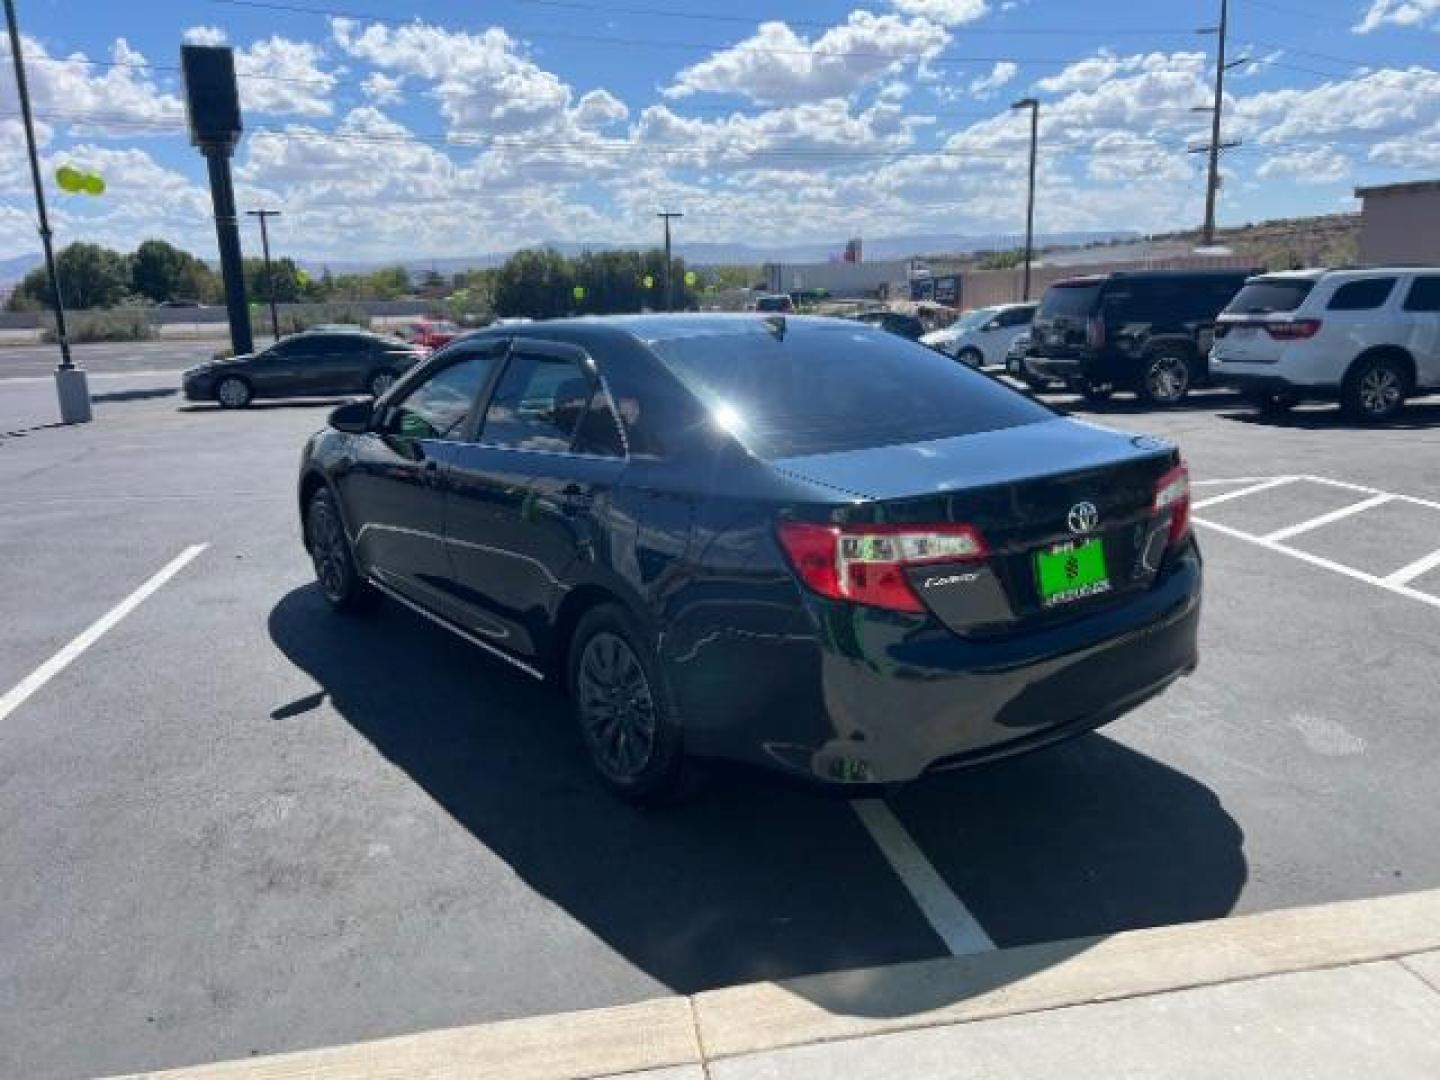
<point x="286" y="274"/>
<point x="155" y="270"/>
<point x="388" y="283"/>
<point x="91" y="276"/>
<point x="536" y="283"/>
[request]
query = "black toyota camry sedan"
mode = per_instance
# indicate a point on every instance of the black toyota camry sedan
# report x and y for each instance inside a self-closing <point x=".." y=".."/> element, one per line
<point x="316" y="363"/>
<point x="803" y="543"/>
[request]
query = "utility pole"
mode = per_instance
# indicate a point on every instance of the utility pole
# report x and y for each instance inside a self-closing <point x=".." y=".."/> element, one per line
<point x="71" y="384"/>
<point x="264" y="215"/>
<point x="666" y="215"/>
<point x="1034" y="106"/>
<point x="1212" y="185"/>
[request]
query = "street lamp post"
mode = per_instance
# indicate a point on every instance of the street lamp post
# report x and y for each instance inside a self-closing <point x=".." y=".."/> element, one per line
<point x="1034" y="106"/>
<point x="71" y="385"/>
<point x="666" y="215"/>
<point x="265" y="215"/>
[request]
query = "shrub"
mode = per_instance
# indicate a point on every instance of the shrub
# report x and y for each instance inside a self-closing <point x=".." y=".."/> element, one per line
<point x="116" y="324"/>
<point x="295" y="320"/>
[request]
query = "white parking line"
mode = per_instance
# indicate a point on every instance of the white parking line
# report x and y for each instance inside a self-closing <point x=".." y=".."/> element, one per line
<point x="947" y="914"/>
<point x="62" y="659"/>
<point x="1407" y="574"/>
<point x="1263" y="485"/>
<point x="1334" y="515"/>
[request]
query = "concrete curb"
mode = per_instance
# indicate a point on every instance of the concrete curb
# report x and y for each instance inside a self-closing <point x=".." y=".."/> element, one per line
<point x="846" y="1005"/>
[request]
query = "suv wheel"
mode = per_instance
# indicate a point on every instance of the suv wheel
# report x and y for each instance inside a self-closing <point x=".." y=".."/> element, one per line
<point x="970" y="357"/>
<point x="335" y="571"/>
<point x="1375" y="390"/>
<point x="626" y="718"/>
<point x="1166" y="380"/>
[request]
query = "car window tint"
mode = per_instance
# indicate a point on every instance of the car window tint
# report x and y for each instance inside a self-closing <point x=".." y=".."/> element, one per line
<point x="1424" y="295"/>
<point x="599" y="431"/>
<point x="538" y="404"/>
<point x="1262" y="296"/>
<point x="349" y="346"/>
<point x="439" y="406"/>
<point x="825" y="390"/>
<point x="1361" y="295"/>
<point x="1069" y="301"/>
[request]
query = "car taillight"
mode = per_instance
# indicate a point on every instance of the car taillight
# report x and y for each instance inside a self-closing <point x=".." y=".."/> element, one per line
<point x="866" y="564"/>
<point x="1172" y="493"/>
<point x="1294" y="330"/>
<point x="1095" y="332"/>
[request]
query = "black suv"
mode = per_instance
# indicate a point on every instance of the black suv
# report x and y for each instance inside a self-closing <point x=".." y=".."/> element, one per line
<point x="1148" y="331"/>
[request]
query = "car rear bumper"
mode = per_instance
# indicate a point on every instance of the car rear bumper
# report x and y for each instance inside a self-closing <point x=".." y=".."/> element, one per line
<point x="871" y="700"/>
<point x="1256" y="384"/>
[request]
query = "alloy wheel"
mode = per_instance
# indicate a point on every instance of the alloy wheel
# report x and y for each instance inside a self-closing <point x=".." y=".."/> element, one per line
<point x="327" y="551"/>
<point x="233" y="393"/>
<point x="1380" y="391"/>
<point x="616" y="706"/>
<point x="1167" y="379"/>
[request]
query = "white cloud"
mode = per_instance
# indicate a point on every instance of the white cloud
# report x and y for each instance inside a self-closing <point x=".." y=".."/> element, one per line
<point x="383" y="89"/>
<point x="600" y="108"/>
<point x="1398" y="13"/>
<point x="1000" y="75"/>
<point x="1369" y="107"/>
<point x="481" y="81"/>
<point x="204" y="35"/>
<point x="123" y="97"/>
<point x="777" y="65"/>
<point x="1317" y="165"/>
<point x="1094" y="72"/>
<point x="944" y="12"/>
<point x="282" y="77"/>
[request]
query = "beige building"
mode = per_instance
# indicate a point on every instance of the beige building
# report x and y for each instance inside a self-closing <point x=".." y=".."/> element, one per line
<point x="1400" y="223"/>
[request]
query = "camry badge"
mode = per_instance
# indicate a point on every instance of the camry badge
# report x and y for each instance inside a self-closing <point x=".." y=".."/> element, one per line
<point x="1083" y="518"/>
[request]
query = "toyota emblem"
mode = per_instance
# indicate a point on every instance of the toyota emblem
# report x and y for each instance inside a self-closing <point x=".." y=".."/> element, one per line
<point x="1083" y="518"/>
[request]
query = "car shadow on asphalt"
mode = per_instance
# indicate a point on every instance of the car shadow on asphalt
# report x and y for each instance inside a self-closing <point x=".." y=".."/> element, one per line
<point x="266" y="406"/>
<point x="1208" y="400"/>
<point x="1416" y="416"/>
<point x="754" y="878"/>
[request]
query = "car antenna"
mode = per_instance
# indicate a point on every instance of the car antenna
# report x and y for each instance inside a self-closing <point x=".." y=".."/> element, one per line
<point x="776" y="325"/>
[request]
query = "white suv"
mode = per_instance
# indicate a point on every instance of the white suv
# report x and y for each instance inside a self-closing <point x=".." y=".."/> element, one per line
<point x="1370" y="338"/>
<point x="982" y="337"/>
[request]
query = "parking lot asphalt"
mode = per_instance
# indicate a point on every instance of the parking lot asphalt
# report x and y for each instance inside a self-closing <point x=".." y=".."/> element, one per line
<point x="106" y="358"/>
<point x="235" y="823"/>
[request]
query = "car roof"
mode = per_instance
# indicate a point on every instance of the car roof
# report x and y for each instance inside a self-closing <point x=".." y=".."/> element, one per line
<point x="655" y="328"/>
<point x="1312" y="274"/>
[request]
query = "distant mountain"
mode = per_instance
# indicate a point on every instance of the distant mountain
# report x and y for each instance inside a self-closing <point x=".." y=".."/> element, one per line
<point x="12" y="270"/>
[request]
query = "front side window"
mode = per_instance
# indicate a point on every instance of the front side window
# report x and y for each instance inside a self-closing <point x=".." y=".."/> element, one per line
<point x="538" y="404"/>
<point x="1363" y="295"/>
<point x="1424" y="295"/>
<point x="439" y="406"/>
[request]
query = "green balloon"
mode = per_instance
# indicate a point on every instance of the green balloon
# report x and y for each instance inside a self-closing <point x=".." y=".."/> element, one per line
<point x="94" y="184"/>
<point x="579" y="292"/>
<point x="70" y="179"/>
<point x="649" y="281"/>
<point x="690" y="277"/>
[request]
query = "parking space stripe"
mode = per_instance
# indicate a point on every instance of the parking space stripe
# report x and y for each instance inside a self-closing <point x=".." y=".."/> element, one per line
<point x="1333" y="516"/>
<point x="1413" y="500"/>
<point x="1321" y="561"/>
<point x="1422" y="565"/>
<point x="946" y="913"/>
<point x="62" y="659"/>
<point x="1264" y="485"/>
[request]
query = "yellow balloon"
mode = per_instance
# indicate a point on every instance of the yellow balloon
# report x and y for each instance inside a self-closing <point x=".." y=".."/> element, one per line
<point x="70" y="179"/>
<point x="690" y="277"/>
<point x="649" y="281"/>
<point x="94" y="184"/>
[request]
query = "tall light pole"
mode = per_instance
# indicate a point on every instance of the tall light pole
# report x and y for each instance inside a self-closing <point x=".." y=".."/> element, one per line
<point x="1034" y="106"/>
<point x="265" y="215"/>
<point x="71" y="385"/>
<point x="666" y="215"/>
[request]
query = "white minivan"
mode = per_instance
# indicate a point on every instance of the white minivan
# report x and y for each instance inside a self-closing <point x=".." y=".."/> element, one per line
<point x="982" y="337"/>
<point x="1369" y="338"/>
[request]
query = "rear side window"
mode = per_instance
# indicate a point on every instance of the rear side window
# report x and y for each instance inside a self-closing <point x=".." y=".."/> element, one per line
<point x="1069" y="301"/>
<point x="1141" y="302"/>
<point x="1265" y="295"/>
<point x="1424" y="295"/>
<point x="538" y="404"/>
<point x="819" y="391"/>
<point x="1362" y="295"/>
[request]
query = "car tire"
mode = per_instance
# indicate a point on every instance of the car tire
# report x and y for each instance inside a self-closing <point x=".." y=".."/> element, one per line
<point x="1274" y="402"/>
<point x="380" y="382"/>
<point x="1166" y="379"/>
<point x="233" y="392"/>
<point x="1375" y="389"/>
<point x="627" y="720"/>
<point x="340" y="580"/>
<point x="970" y="357"/>
<point x="1096" y="393"/>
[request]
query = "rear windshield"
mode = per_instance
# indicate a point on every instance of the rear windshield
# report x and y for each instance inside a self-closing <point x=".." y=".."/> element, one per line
<point x="773" y="303"/>
<point x="1270" y="294"/>
<point x="820" y="391"/>
<point x="1068" y="300"/>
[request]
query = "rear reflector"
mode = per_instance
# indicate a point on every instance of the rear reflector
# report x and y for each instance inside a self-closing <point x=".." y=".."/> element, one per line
<point x="1294" y="330"/>
<point x="865" y="564"/>
<point x="1172" y="495"/>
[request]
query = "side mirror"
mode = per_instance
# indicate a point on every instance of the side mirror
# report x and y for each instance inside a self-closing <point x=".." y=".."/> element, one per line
<point x="353" y="417"/>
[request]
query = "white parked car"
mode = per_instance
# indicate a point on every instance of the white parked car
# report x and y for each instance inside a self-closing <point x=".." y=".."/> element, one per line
<point x="982" y="337"/>
<point x="1370" y="338"/>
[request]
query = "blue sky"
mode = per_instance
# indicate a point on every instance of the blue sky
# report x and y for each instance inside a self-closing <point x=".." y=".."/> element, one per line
<point x="432" y="129"/>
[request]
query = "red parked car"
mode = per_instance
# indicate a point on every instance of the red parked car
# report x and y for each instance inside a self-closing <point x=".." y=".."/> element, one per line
<point x="432" y="333"/>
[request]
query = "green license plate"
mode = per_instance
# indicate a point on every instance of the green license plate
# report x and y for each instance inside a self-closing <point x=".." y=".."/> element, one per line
<point x="1068" y="572"/>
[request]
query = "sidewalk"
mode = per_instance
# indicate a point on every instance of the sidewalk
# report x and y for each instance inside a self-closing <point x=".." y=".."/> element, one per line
<point x="1343" y="990"/>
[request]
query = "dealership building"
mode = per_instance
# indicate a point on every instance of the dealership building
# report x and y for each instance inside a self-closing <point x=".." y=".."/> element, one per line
<point x="1400" y="223"/>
